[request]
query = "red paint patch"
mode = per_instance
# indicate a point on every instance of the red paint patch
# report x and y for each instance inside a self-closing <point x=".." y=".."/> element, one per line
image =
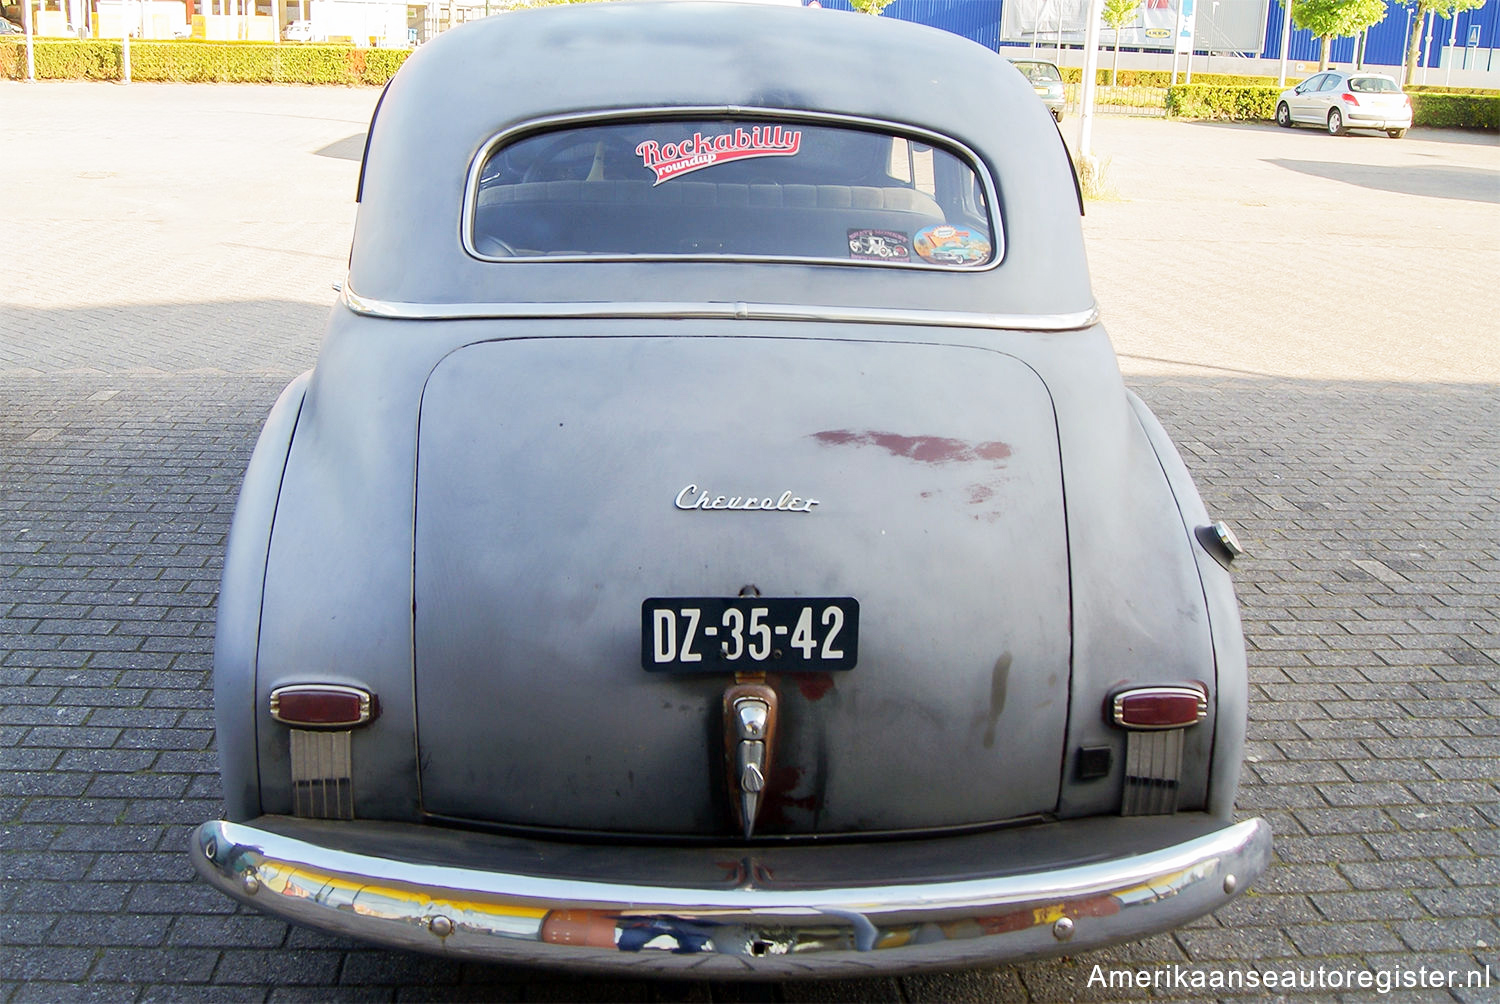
<point x="782" y="781"/>
<point x="923" y="449"/>
<point x="979" y="494"/>
<point x="993" y="451"/>
<point x="814" y="686"/>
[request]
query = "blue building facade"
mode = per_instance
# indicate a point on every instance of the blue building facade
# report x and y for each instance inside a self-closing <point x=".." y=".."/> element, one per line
<point x="1385" y="43"/>
<point x="1476" y="32"/>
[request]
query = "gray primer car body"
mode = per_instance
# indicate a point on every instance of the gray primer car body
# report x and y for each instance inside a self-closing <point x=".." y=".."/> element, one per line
<point x="463" y="506"/>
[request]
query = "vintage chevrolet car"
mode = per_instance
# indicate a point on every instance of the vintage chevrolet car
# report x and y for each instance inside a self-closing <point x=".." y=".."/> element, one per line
<point x="716" y="539"/>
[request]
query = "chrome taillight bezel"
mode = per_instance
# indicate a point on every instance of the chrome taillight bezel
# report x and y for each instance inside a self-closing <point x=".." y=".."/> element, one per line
<point x="363" y="706"/>
<point x="1190" y="704"/>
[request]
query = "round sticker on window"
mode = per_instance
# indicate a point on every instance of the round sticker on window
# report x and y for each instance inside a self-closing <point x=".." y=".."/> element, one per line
<point x="949" y="245"/>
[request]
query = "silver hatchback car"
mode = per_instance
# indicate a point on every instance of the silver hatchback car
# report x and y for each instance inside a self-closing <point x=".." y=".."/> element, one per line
<point x="1339" y="101"/>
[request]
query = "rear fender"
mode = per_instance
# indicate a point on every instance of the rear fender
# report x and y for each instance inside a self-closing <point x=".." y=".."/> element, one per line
<point x="1228" y="637"/>
<point x="237" y="634"/>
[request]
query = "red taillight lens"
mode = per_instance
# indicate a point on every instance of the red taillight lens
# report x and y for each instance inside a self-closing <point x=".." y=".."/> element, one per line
<point x="323" y="706"/>
<point x="1159" y="707"/>
<point x="1349" y="98"/>
<point x="1407" y="100"/>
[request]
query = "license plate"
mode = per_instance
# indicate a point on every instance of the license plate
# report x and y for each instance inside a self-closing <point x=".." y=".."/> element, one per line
<point x="748" y="634"/>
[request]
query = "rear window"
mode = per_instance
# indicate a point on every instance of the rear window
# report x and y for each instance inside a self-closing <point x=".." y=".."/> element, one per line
<point x="733" y="187"/>
<point x="1040" y="73"/>
<point x="1373" y="85"/>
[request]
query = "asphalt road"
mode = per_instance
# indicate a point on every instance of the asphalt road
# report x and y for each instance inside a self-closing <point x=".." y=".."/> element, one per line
<point x="1315" y="319"/>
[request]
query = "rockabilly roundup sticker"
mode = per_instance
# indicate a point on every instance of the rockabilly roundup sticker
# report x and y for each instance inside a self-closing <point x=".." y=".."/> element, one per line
<point x="672" y="160"/>
<point x="879" y="245"/>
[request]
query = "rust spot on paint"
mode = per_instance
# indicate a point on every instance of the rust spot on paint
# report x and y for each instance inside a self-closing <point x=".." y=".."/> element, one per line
<point x="745" y="871"/>
<point x="999" y="683"/>
<point x="979" y="494"/>
<point x="782" y="780"/>
<point x="923" y="449"/>
<point x="814" y="685"/>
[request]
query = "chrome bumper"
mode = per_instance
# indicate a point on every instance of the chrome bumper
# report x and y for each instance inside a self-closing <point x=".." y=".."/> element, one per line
<point x="1354" y="120"/>
<point x="742" y="912"/>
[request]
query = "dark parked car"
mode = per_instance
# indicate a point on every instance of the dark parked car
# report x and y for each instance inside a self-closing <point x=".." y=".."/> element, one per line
<point x="1046" y="79"/>
<point x="715" y="538"/>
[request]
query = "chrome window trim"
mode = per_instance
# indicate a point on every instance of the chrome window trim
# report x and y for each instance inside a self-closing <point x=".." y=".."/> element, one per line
<point x="975" y="163"/>
<point x="739" y="311"/>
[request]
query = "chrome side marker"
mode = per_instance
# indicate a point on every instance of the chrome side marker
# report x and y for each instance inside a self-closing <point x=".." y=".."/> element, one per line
<point x="1219" y="540"/>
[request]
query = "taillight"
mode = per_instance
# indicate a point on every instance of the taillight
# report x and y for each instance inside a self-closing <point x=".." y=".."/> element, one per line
<point x="1406" y="99"/>
<point x="1349" y="98"/>
<point x="1159" y="707"/>
<point x="1158" y="718"/>
<point x="323" y="706"/>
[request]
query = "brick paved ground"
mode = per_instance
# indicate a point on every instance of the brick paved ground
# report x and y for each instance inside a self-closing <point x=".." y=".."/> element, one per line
<point x="167" y="252"/>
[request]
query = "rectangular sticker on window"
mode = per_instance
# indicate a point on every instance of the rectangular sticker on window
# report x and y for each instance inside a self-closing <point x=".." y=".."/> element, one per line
<point x="879" y="245"/>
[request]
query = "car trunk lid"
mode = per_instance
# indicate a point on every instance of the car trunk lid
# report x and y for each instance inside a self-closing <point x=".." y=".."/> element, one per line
<point x="560" y="484"/>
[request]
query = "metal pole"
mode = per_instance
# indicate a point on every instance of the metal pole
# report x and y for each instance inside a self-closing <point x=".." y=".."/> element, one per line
<point x="1425" y="56"/>
<point x="1095" y="9"/>
<point x="30" y="49"/>
<point x="1489" y="63"/>
<point x="1177" y="38"/>
<point x="125" y="30"/>
<point x="1286" y="39"/>
<point x="1213" y="29"/>
<point x="1452" y="41"/>
<point x="1058" y="58"/>
<point x="1192" y="30"/>
<point x="1405" y="42"/>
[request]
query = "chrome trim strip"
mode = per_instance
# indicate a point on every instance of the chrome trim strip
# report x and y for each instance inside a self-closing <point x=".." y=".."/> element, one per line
<point x="722" y="918"/>
<point x="1153" y="772"/>
<point x="322" y="774"/>
<point x="396" y="310"/>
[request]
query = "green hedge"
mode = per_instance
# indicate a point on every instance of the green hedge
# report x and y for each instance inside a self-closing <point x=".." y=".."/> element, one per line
<point x="1211" y="101"/>
<point x="1439" y="89"/>
<point x="1439" y="111"/>
<point x="191" y="61"/>
<point x="1163" y="78"/>
<point x="1456" y="111"/>
<point x="61" y="60"/>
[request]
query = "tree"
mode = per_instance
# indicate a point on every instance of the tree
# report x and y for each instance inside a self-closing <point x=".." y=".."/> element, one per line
<point x="876" y="6"/>
<point x="1117" y="14"/>
<point x="1444" y="9"/>
<point x="1330" y="19"/>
